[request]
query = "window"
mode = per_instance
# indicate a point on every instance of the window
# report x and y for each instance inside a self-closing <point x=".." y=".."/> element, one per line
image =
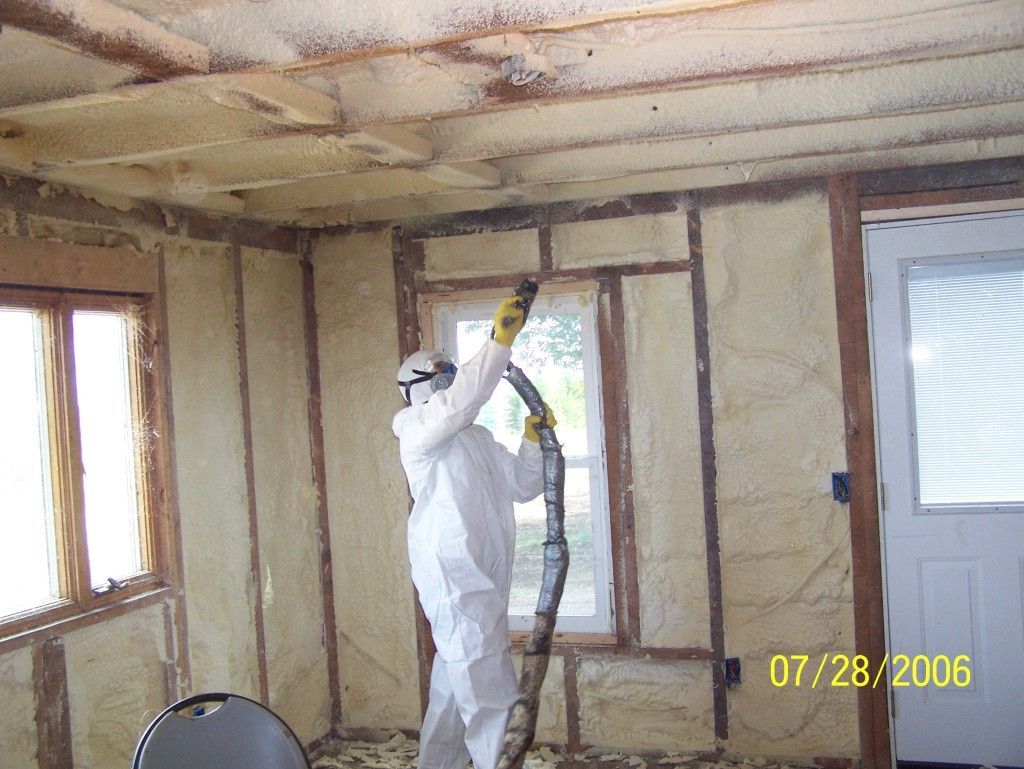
<point x="966" y="345"/>
<point x="558" y="351"/>
<point x="76" y="454"/>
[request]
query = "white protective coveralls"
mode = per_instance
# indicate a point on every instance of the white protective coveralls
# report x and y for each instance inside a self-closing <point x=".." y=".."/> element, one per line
<point x="461" y="546"/>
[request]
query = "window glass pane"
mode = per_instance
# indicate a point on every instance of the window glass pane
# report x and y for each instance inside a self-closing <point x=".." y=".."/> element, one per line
<point x="108" y="445"/>
<point x="578" y="598"/>
<point x="550" y="350"/>
<point x="28" y="545"/>
<point x="967" y="351"/>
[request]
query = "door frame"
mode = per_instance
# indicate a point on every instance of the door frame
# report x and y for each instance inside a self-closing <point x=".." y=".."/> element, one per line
<point x="854" y="199"/>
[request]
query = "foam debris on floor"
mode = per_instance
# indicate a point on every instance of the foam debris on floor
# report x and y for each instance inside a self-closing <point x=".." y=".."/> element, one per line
<point x="400" y="752"/>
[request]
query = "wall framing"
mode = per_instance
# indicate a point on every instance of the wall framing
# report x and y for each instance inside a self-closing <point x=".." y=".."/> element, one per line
<point x="411" y="291"/>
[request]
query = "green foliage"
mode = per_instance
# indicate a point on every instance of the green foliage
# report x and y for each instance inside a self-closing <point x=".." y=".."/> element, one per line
<point x="551" y="340"/>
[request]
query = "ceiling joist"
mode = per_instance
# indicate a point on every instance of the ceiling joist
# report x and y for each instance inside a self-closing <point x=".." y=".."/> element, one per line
<point x="109" y="33"/>
<point x="277" y="99"/>
<point x="701" y="91"/>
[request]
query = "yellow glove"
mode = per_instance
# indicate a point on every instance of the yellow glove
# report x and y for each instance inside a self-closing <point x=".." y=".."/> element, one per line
<point x="508" y="321"/>
<point x="532" y="422"/>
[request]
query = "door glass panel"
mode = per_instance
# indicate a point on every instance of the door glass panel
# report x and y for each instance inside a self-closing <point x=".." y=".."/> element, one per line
<point x="28" y="544"/>
<point x="967" y="356"/>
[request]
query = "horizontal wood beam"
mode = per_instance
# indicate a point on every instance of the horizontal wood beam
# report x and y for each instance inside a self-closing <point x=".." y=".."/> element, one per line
<point x="528" y="217"/>
<point x="27" y="196"/>
<point x="984" y="173"/>
<point x="109" y="33"/>
<point x="472" y="174"/>
<point x="529" y="177"/>
<point x="276" y="98"/>
<point x="901" y="154"/>
<point x="31" y="262"/>
<point x="973" y="71"/>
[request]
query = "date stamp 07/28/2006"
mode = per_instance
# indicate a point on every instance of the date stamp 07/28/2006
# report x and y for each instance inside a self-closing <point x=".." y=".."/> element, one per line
<point x="919" y="670"/>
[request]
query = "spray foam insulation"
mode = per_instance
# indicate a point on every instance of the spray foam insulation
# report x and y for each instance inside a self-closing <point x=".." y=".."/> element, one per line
<point x="665" y="444"/>
<point x="660" y="238"/>
<point x="483" y="253"/>
<point x="286" y="502"/>
<point x="778" y="414"/>
<point x="18" y="710"/>
<point x="116" y="686"/>
<point x="212" y="496"/>
<point x="366" y="489"/>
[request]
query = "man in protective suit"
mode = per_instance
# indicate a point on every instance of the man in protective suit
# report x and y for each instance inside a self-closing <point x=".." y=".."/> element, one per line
<point x="462" y="540"/>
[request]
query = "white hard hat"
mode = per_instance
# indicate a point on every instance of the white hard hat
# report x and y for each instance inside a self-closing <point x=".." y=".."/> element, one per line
<point x="424" y="373"/>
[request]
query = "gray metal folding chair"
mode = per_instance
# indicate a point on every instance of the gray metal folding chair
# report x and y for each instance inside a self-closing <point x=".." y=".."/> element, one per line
<point x="236" y="733"/>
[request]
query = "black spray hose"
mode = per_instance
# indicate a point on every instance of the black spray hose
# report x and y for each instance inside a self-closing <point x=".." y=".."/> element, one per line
<point x="522" y="721"/>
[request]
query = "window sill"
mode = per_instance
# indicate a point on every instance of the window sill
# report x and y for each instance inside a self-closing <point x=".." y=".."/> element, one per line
<point x="64" y="618"/>
<point x="566" y="640"/>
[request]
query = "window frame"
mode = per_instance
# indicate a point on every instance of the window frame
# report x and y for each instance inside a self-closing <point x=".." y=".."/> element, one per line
<point x="145" y="370"/>
<point x="439" y="313"/>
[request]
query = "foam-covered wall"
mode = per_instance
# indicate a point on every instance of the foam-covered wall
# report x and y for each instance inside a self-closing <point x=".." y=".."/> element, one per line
<point x="17" y="710"/>
<point x="665" y="443"/>
<point x="778" y="416"/>
<point x="293" y="611"/>
<point x="645" y="704"/>
<point x="121" y="672"/>
<point x="366" y="490"/>
<point x="778" y="423"/>
<point x="482" y="253"/>
<point x="659" y="238"/>
<point x="115" y="686"/>
<point x="210" y="452"/>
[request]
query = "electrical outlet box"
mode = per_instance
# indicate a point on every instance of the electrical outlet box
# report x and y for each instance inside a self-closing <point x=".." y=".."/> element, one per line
<point x="841" y="487"/>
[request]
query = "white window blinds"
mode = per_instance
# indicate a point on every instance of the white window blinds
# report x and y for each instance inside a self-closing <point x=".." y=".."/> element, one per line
<point x="967" y="357"/>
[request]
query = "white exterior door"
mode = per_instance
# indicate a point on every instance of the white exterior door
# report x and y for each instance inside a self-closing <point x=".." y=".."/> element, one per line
<point x="947" y="325"/>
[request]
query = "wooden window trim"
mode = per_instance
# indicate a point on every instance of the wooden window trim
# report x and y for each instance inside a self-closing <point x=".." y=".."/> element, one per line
<point x="77" y="277"/>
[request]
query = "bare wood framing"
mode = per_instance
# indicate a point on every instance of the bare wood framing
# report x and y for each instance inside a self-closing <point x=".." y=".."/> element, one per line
<point x="709" y="472"/>
<point x="53" y="715"/>
<point x="44" y="263"/>
<point x="611" y="338"/>
<point x="318" y="457"/>
<point x="584" y="648"/>
<point x="164" y="416"/>
<point x="909" y="200"/>
<point x="407" y="257"/>
<point x="855" y="364"/>
<point x="570" y="666"/>
<point x="527" y="217"/>
<point x="427" y="300"/>
<point x="22" y="194"/>
<point x="554" y="278"/>
<point x="544" y="246"/>
<point x="920" y="205"/>
<point x="250" y="478"/>
<point x="978" y="173"/>
<point x="172" y="681"/>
